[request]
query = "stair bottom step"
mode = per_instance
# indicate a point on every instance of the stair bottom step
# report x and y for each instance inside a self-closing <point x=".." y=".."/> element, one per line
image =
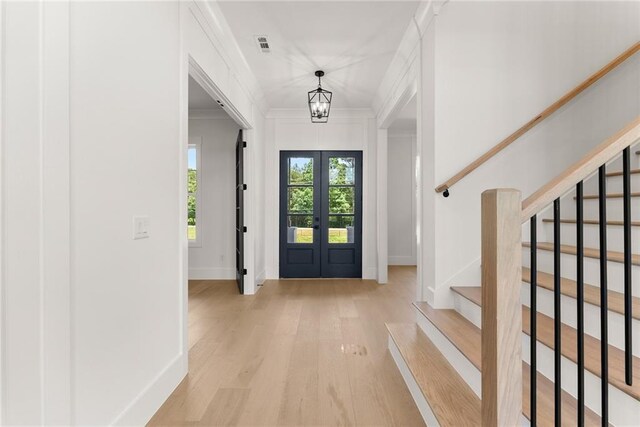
<point x="449" y="400"/>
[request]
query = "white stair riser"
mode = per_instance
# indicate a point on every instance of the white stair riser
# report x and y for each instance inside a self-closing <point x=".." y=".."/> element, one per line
<point x="623" y="409"/>
<point x="461" y="364"/>
<point x="591" y="236"/>
<point x="615" y="270"/>
<point x="421" y="402"/>
<point x="591" y="317"/>
<point x="614" y="209"/>
<point x="614" y="184"/>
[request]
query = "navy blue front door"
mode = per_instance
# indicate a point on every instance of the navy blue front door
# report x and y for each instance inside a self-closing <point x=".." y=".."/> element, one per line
<point x="321" y="214"/>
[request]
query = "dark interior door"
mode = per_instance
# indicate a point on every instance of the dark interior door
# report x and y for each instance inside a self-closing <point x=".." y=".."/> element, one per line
<point x="240" y="227"/>
<point x="300" y="214"/>
<point x="341" y="218"/>
<point x="320" y="214"/>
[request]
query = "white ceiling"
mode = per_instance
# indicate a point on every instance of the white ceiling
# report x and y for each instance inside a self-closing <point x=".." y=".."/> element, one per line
<point x="199" y="99"/>
<point x="352" y="41"/>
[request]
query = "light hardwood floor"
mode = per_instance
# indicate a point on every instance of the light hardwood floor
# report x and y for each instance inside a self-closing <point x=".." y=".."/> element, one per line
<point x="300" y="352"/>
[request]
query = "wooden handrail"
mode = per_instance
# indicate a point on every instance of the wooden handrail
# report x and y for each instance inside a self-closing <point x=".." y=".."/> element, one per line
<point x="597" y="157"/>
<point x="444" y="187"/>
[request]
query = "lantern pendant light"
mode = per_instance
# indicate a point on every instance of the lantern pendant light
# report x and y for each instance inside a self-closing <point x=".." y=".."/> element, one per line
<point x="319" y="102"/>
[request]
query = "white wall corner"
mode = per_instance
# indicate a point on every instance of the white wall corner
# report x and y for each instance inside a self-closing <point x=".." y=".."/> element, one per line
<point x="470" y="275"/>
<point x="382" y="209"/>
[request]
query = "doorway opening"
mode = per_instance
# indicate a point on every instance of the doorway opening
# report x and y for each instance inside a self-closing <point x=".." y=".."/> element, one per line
<point x="402" y="187"/>
<point x="320" y="214"/>
<point x="215" y="186"/>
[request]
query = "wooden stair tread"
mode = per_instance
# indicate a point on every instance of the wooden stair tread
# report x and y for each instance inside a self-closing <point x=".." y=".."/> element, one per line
<point x="588" y="252"/>
<point x="619" y="173"/>
<point x="593" y="222"/>
<point x="569" y="287"/>
<point x="450" y="397"/>
<point x="569" y="345"/>
<point x="609" y="196"/>
<point x="466" y="337"/>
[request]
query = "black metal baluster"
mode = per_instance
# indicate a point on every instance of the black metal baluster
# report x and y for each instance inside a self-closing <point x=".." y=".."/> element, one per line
<point x="557" y="321"/>
<point x="604" y="349"/>
<point x="626" y="192"/>
<point x="533" y="321"/>
<point x="580" y="297"/>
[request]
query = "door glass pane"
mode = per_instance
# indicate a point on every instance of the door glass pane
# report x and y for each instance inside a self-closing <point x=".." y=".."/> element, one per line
<point x="300" y="199"/>
<point x="342" y="170"/>
<point x="341" y="229"/>
<point x="300" y="229"/>
<point x="301" y="170"/>
<point x="341" y="200"/>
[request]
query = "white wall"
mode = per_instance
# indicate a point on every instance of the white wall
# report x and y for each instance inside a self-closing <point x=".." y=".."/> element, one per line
<point x="214" y="255"/>
<point x="346" y="130"/>
<point x="94" y="131"/>
<point x="497" y="65"/>
<point x="125" y="131"/>
<point x="401" y="198"/>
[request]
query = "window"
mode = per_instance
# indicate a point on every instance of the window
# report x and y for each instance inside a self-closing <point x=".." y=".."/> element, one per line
<point x="193" y="187"/>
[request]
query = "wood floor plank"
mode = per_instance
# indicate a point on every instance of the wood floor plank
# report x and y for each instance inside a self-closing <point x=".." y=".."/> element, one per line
<point x="466" y="337"/>
<point x="300" y="352"/>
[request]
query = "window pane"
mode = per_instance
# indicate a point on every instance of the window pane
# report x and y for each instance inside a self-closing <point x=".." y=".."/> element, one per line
<point x="341" y="199"/>
<point x="300" y="199"/>
<point x="192" y="181"/>
<point x="191" y="217"/>
<point x="192" y="161"/>
<point x="300" y="229"/>
<point x="341" y="229"/>
<point x="301" y="170"/>
<point x="342" y="170"/>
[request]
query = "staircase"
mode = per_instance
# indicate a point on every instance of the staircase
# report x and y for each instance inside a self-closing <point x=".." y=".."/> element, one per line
<point x="441" y="357"/>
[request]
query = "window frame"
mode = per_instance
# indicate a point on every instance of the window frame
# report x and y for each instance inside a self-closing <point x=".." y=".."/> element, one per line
<point x="196" y="143"/>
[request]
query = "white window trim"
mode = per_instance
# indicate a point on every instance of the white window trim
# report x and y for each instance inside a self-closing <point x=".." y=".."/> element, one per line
<point x="196" y="142"/>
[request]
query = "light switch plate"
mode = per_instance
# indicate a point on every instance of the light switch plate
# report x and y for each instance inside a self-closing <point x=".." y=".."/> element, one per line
<point x="140" y="227"/>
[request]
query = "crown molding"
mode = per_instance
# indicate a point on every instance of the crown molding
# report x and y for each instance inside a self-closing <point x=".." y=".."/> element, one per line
<point x="227" y="46"/>
<point x="403" y="69"/>
<point x="336" y="113"/>
<point x="208" y="114"/>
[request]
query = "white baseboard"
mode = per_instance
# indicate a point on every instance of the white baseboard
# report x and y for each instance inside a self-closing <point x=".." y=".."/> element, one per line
<point x="145" y="405"/>
<point x="401" y="260"/>
<point x="370" y="273"/>
<point x="261" y="277"/>
<point x="212" y="274"/>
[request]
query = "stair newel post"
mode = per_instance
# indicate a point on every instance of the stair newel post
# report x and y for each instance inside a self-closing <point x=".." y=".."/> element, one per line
<point x="501" y="308"/>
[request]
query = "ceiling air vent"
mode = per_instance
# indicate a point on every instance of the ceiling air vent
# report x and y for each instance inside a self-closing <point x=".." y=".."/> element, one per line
<point x="263" y="44"/>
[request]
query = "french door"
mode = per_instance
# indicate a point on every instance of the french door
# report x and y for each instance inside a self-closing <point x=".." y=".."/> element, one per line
<point x="321" y="214"/>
